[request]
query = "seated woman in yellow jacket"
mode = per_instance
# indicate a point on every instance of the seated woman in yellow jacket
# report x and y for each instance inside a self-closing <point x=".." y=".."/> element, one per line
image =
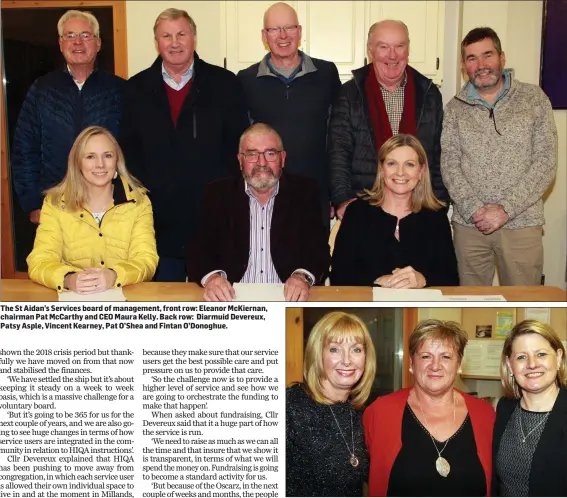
<point x="96" y="229"/>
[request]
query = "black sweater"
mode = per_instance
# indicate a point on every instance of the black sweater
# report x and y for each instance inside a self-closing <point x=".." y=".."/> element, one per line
<point x="366" y="248"/>
<point x="317" y="458"/>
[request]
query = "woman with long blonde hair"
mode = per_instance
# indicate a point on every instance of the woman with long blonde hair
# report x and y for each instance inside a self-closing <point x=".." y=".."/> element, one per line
<point x="397" y="234"/>
<point x="96" y="227"/>
<point x="325" y="450"/>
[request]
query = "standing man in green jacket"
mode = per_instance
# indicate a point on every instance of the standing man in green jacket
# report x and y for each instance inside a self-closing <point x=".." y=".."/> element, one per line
<point x="498" y="157"/>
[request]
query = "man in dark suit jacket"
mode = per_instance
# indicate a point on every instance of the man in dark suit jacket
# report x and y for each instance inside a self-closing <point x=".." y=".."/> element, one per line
<point x="181" y="122"/>
<point x="262" y="227"/>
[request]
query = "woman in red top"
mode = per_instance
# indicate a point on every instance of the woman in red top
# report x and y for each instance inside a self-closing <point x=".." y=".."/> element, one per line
<point x="430" y="440"/>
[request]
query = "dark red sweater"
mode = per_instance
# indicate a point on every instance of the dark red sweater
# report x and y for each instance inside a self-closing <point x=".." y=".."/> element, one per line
<point x="176" y="99"/>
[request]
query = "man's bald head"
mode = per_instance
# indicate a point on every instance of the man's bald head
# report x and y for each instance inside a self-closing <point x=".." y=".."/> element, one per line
<point x="282" y="35"/>
<point x="388" y="25"/>
<point x="280" y="10"/>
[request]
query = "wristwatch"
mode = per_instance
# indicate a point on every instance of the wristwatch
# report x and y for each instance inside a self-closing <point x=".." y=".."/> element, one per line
<point x="304" y="276"/>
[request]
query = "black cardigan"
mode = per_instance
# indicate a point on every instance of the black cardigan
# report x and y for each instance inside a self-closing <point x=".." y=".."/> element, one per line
<point x="548" y="476"/>
<point x="365" y="247"/>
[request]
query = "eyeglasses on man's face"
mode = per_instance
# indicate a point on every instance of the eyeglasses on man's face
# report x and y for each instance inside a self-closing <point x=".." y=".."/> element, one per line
<point x="288" y="29"/>
<point x="252" y="156"/>
<point x="85" y="36"/>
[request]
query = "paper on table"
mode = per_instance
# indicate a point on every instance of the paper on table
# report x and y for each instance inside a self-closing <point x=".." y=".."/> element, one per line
<point x="259" y="292"/>
<point x="474" y="298"/>
<point x="384" y="294"/>
<point x="107" y="295"/>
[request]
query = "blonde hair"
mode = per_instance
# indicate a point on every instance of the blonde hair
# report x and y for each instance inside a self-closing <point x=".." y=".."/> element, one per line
<point x="338" y="326"/>
<point x="73" y="188"/>
<point x="440" y="330"/>
<point x="73" y="14"/>
<point x="174" y="14"/>
<point x="260" y="129"/>
<point x="422" y="195"/>
<point x="511" y="389"/>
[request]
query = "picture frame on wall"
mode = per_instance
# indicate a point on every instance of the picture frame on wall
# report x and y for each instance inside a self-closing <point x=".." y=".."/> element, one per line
<point x="553" y="69"/>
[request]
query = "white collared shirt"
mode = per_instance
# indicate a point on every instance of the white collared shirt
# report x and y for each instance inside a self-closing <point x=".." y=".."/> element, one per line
<point x="260" y="268"/>
<point x="185" y="77"/>
<point x="79" y="85"/>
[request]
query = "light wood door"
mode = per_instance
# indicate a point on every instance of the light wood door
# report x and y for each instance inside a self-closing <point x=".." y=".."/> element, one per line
<point x="337" y="31"/>
<point x="334" y="31"/>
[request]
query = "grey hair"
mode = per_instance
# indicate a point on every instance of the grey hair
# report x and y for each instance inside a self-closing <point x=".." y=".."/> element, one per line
<point x="260" y="128"/>
<point x="172" y="14"/>
<point x="73" y="14"/>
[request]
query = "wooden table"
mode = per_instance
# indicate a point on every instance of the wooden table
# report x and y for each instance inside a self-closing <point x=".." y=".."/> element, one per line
<point x="26" y="290"/>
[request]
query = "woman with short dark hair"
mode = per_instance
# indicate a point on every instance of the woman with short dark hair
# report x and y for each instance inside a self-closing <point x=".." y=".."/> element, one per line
<point x="430" y="440"/>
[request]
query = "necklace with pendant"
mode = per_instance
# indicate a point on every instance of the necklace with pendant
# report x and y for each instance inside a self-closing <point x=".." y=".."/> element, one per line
<point x="526" y="436"/>
<point x="353" y="460"/>
<point x="441" y="464"/>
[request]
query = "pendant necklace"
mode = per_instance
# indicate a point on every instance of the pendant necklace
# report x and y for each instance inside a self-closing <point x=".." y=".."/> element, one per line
<point x="526" y="436"/>
<point x="353" y="460"/>
<point x="441" y="464"/>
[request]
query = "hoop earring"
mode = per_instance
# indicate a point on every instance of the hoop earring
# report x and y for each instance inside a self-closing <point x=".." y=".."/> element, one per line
<point x="115" y="174"/>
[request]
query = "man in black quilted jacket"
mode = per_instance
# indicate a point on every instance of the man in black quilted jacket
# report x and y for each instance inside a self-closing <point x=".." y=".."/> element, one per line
<point x="384" y="98"/>
<point x="58" y="106"/>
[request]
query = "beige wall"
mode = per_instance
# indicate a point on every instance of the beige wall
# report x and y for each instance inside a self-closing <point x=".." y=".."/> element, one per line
<point x="517" y="23"/>
<point x="452" y="314"/>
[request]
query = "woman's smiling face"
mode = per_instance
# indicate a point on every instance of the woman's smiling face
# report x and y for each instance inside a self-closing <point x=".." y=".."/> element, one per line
<point x="343" y="366"/>
<point x="534" y="363"/>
